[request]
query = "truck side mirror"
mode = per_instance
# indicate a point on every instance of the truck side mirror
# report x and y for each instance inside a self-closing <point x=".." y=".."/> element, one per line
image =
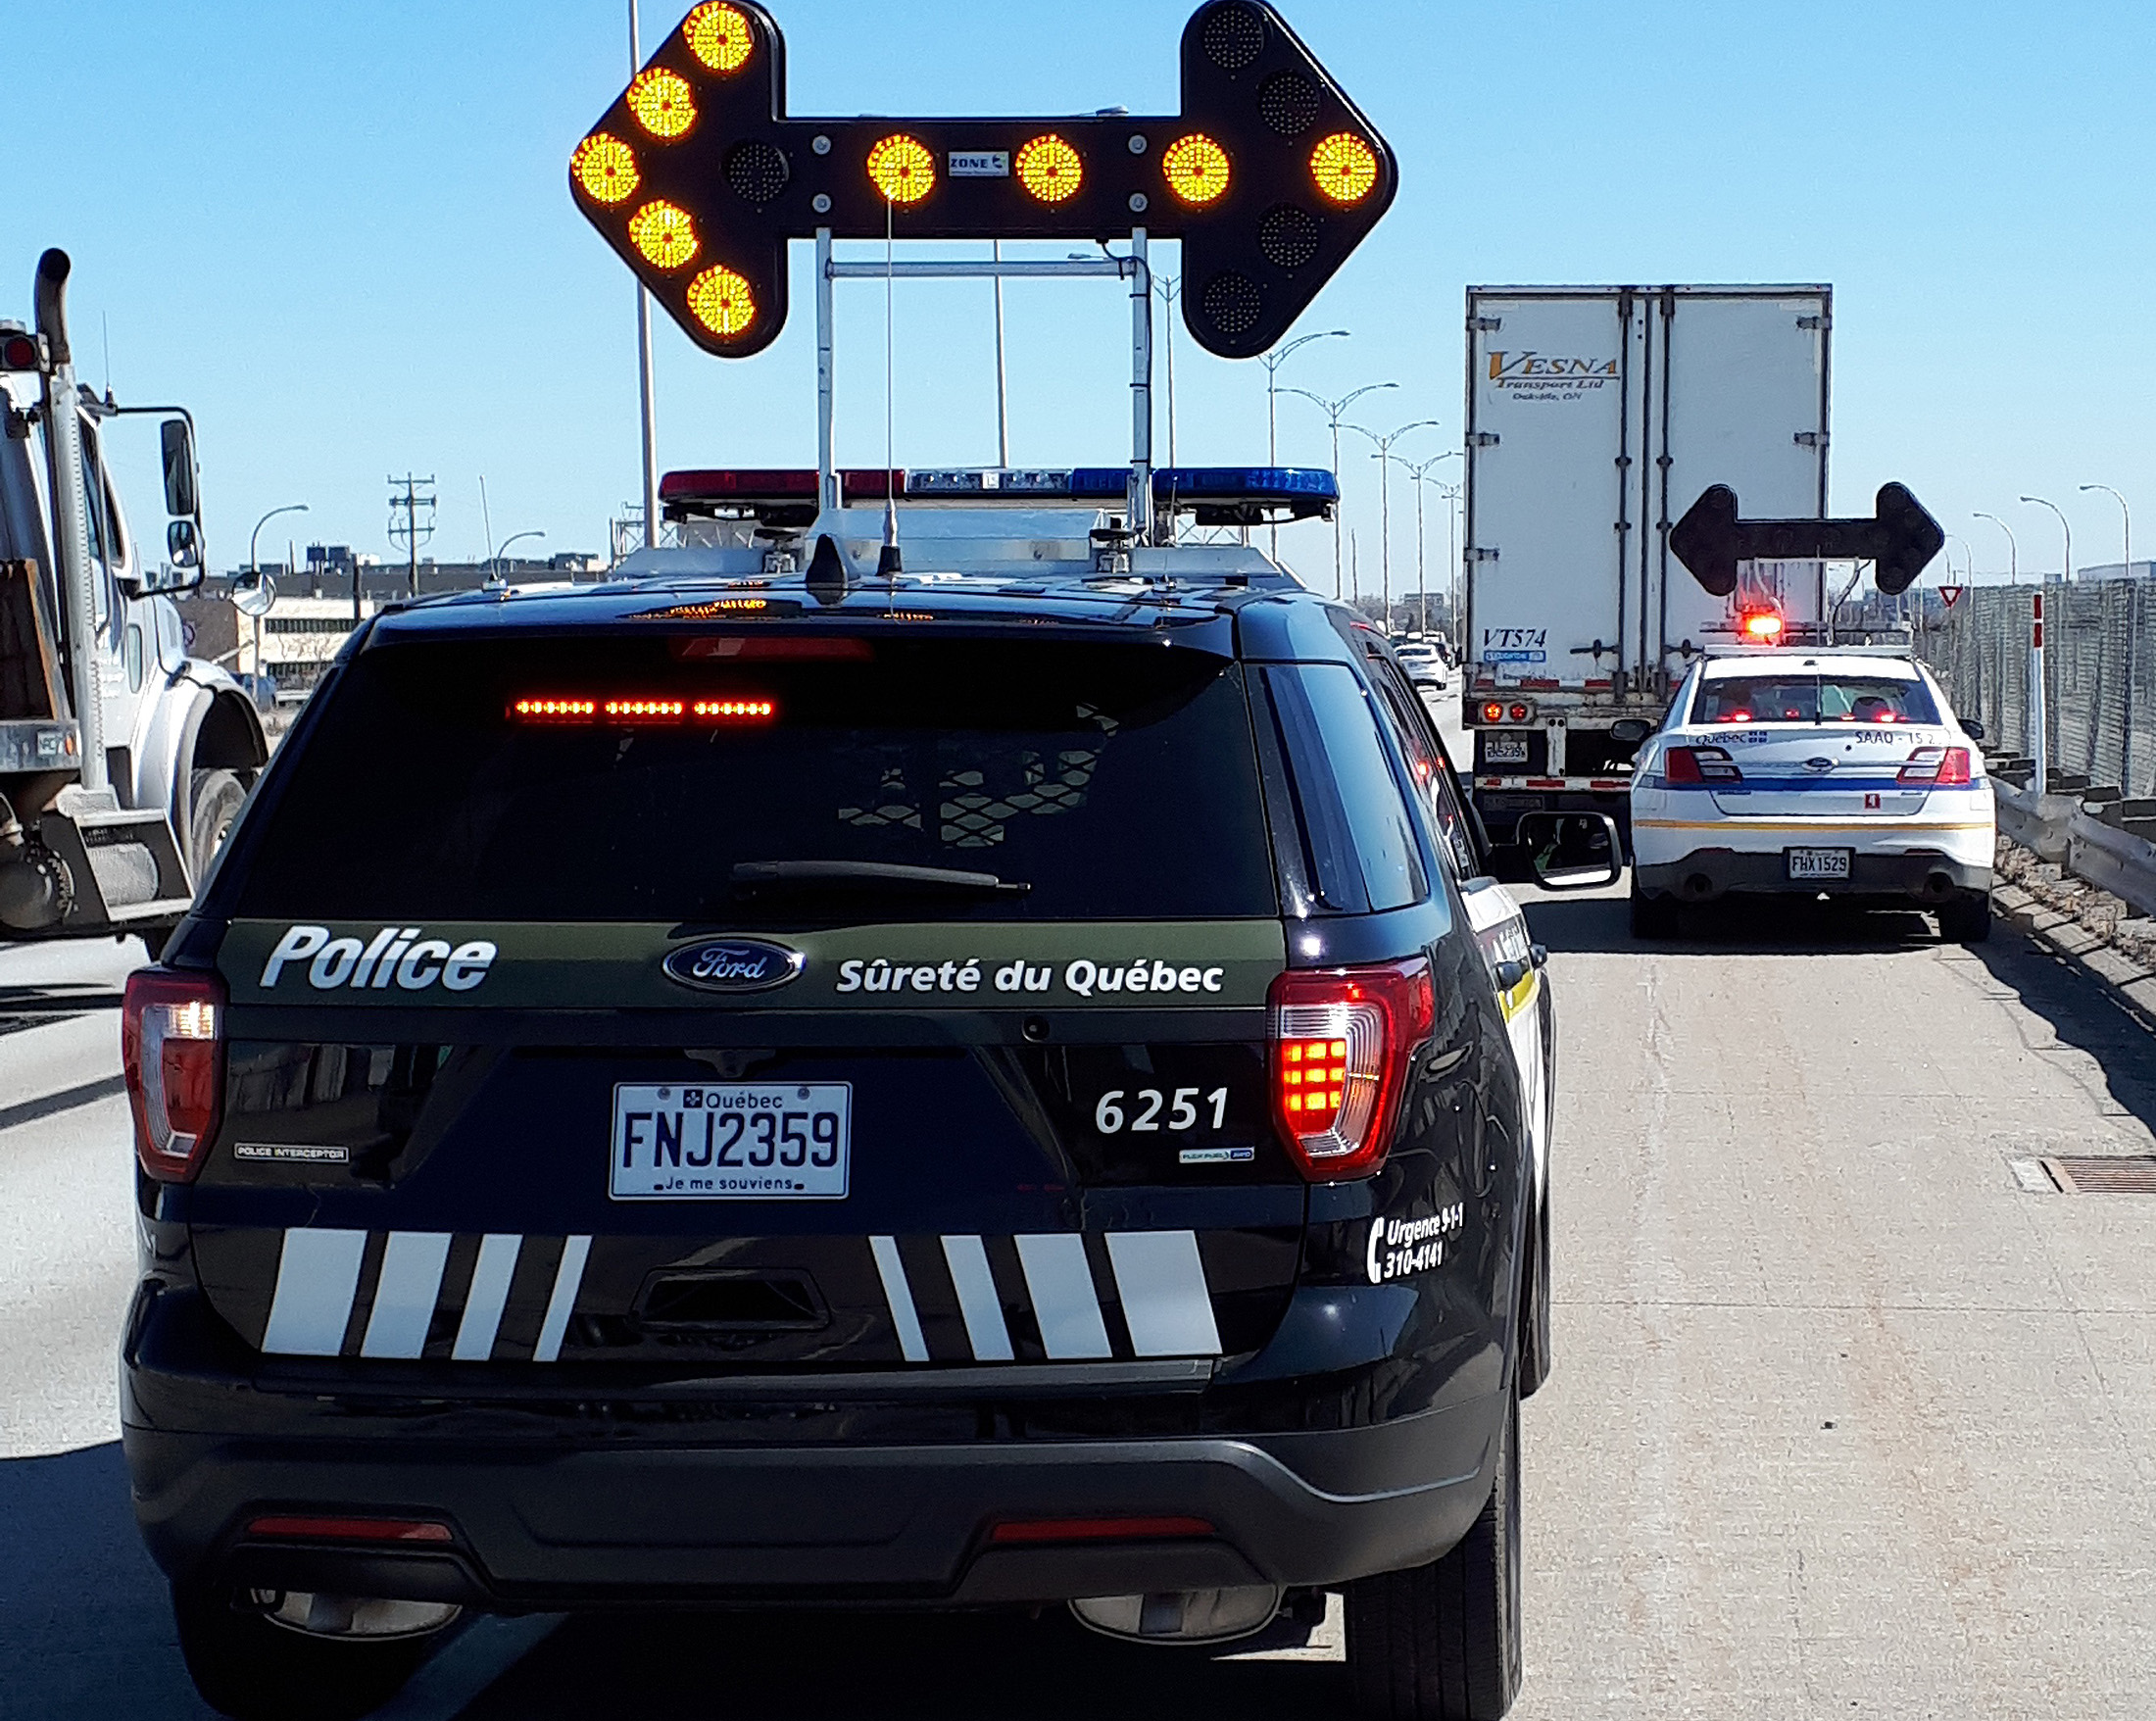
<point x="1572" y="851"/>
<point x="183" y="544"/>
<point x="1631" y="731"/>
<point x="182" y="496"/>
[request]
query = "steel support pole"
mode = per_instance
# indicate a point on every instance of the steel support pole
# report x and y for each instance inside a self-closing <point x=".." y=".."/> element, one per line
<point x="827" y="473"/>
<point x="1141" y="390"/>
<point x="1002" y="385"/>
<point x="643" y="359"/>
<point x="2038" y="714"/>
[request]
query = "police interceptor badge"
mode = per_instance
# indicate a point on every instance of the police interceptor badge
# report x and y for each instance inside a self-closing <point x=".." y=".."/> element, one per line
<point x="734" y="965"/>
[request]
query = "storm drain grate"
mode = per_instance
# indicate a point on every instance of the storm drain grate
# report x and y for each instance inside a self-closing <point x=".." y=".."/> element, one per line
<point x="2102" y="1173"/>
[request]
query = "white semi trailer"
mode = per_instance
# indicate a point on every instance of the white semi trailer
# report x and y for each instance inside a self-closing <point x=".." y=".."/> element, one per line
<point x="1595" y="417"/>
<point x="122" y="760"/>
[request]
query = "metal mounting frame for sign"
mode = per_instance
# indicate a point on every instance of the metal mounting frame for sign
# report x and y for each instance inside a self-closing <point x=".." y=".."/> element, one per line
<point x="1134" y="267"/>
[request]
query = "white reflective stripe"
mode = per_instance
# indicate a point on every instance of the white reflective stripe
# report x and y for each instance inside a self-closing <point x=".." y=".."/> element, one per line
<point x="978" y="1302"/>
<point x="404" y="1296"/>
<point x="1060" y="1284"/>
<point x="1161" y="1282"/>
<point x="317" y="1276"/>
<point x="488" y="1297"/>
<point x="566" y="1278"/>
<point x="898" y="1293"/>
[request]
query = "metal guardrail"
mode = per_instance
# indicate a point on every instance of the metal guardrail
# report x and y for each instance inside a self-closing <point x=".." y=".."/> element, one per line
<point x="2099" y="836"/>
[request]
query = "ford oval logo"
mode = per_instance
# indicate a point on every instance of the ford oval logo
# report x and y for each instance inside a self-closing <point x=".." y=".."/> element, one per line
<point x="733" y="964"/>
<point x="1819" y="764"/>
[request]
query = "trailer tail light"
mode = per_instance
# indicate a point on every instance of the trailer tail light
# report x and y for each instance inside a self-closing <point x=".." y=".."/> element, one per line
<point x="1939" y="768"/>
<point x="171" y="1049"/>
<point x="1343" y="1040"/>
<point x="1698" y="766"/>
<point x="1496" y="710"/>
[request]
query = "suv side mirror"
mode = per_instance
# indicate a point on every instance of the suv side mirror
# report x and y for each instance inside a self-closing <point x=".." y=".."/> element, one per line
<point x="1572" y="851"/>
<point x="183" y="544"/>
<point x="1631" y="731"/>
<point x="182" y="495"/>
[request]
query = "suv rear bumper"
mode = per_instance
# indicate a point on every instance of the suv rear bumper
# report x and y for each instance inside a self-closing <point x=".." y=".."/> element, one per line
<point x="553" y="1528"/>
<point x="1706" y="873"/>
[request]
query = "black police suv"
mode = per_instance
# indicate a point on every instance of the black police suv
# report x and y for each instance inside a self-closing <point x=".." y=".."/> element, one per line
<point x="957" y="1094"/>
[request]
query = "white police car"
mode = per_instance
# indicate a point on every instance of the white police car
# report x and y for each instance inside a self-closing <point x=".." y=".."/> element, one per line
<point x="1808" y="772"/>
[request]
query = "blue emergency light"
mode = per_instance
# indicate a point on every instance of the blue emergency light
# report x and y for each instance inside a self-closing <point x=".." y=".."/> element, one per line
<point x="1213" y="495"/>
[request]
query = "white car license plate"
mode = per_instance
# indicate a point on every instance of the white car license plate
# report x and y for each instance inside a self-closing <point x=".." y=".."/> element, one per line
<point x="1812" y="863"/>
<point x="731" y="1141"/>
<point x="1504" y="749"/>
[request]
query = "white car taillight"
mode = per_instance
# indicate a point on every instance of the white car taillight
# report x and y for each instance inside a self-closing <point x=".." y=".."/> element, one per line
<point x="171" y="1048"/>
<point x="1342" y="1042"/>
<point x="1941" y="767"/>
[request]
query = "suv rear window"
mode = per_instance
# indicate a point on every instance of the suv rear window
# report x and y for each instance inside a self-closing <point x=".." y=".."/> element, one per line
<point x="1813" y="698"/>
<point x="1117" y="781"/>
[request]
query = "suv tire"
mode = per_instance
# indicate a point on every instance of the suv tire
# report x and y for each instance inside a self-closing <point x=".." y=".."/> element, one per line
<point x="252" y="1669"/>
<point x="1966" y="918"/>
<point x="214" y="801"/>
<point x="1442" y="1642"/>
<point x="1652" y="918"/>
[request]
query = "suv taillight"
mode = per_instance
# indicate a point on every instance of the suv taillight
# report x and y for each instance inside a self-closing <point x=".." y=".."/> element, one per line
<point x="171" y="1046"/>
<point x="1699" y="765"/>
<point x="1941" y="767"/>
<point x="1342" y="1042"/>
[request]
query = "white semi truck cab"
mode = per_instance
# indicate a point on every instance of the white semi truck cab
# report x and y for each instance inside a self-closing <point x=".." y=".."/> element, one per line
<point x="122" y="760"/>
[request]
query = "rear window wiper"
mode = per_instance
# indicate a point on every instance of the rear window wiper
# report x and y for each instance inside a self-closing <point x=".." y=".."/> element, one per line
<point x="871" y="875"/>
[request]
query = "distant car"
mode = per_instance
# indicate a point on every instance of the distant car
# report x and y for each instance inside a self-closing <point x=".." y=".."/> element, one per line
<point x="1801" y="772"/>
<point x="1424" y="666"/>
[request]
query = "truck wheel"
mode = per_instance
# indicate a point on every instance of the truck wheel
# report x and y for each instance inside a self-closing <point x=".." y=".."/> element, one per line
<point x="1966" y="918"/>
<point x="1652" y="918"/>
<point x="214" y="799"/>
<point x="252" y="1669"/>
<point x="1442" y="1642"/>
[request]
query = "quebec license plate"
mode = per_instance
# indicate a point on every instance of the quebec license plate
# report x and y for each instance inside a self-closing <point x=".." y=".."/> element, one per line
<point x="1504" y="749"/>
<point x="1818" y="863"/>
<point x="731" y="1141"/>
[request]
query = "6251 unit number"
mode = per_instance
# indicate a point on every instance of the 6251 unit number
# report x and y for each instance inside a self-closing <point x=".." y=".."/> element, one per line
<point x="1182" y="1105"/>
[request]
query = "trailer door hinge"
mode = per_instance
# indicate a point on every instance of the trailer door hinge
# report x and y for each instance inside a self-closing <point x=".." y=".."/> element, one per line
<point x="1811" y="439"/>
<point x="1481" y="439"/>
<point x="1475" y="554"/>
<point x="1812" y="322"/>
<point x="1485" y="325"/>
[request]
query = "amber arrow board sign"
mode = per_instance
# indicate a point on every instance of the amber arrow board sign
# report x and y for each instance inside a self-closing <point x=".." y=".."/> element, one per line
<point x="1900" y="539"/>
<point x="698" y="176"/>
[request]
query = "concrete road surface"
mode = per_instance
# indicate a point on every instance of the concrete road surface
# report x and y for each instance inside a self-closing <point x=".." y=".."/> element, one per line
<point x="1845" y="1423"/>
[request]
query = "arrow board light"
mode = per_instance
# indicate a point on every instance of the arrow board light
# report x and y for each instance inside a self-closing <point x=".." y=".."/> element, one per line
<point x="1900" y="539"/>
<point x="698" y="178"/>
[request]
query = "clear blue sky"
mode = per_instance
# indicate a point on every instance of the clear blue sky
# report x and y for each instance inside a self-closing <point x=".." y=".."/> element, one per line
<point x="341" y="232"/>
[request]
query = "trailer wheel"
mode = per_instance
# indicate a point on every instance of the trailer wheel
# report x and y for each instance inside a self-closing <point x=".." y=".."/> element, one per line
<point x="214" y="801"/>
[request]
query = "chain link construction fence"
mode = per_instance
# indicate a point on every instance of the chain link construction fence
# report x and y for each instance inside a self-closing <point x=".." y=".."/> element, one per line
<point x="2099" y="675"/>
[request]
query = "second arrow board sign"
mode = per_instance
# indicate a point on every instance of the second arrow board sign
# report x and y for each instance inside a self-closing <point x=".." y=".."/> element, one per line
<point x="1900" y="539"/>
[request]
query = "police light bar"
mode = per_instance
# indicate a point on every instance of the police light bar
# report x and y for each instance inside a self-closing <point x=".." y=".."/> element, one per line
<point x="1214" y="494"/>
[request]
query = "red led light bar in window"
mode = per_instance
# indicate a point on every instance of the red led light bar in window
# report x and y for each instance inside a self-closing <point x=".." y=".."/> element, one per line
<point x="644" y="710"/>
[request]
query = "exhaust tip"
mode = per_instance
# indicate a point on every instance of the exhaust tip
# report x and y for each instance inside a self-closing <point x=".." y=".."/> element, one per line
<point x="1697" y="888"/>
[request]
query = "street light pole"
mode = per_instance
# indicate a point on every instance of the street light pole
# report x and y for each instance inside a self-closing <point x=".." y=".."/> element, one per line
<point x="1272" y="362"/>
<point x="512" y="538"/>
<point x="254" y="568"/>
<point x="1334" y="412"/>
<point x="2065" y="526"/>
<point x="2013" y="549"/>
<point x="1169" y="288"/>
<point x="2127" y="517"/>
<point x="1384" y="505"/>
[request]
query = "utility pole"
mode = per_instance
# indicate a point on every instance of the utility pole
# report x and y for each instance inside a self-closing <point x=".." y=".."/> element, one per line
<point x="411" y="531"/>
